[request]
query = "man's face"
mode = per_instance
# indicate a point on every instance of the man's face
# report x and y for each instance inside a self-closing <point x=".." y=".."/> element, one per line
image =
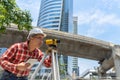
<point x="38" y="40"/>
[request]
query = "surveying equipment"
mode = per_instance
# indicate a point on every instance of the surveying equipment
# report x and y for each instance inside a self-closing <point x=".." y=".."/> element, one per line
<point x="52" y="42"/>
<point x="52" y="46"/>
<point x="52" y="49"/>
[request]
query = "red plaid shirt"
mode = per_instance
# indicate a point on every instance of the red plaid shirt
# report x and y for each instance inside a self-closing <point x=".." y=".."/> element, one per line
<point x="18" y="53"/>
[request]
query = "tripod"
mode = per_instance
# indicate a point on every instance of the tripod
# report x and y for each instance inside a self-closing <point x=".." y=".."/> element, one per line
<point x="55" y="65"/>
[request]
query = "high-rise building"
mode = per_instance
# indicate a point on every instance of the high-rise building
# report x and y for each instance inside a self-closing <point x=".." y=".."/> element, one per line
<point x="73" y="61"/>
<point x="73" y="65"/>
<point x="57" y="15"/>
<point x="50" y="14"/>
<point x="75" y="25"/>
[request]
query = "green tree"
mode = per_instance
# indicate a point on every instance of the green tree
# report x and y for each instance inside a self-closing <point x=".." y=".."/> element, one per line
<point x="11" y="13"/>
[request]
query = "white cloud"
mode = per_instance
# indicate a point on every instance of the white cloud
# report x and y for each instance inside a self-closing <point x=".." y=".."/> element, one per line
<point x="98" y="17"/>
<point x="29" y="4"/>
<point x="34" y="23"/>
<point x="97" y="21"/>
<point x="109" y="19"/>
<point x="95" y="31"/>
<point x="111" y="3"/>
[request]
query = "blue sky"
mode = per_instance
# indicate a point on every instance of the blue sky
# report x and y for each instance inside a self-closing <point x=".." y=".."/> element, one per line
<point x="99" y="19"/>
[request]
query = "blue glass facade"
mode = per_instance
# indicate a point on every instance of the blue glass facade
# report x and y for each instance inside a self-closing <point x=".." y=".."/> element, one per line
<point x="50" y="13"/>
<point x="67" y="16"/>
<point x="56" y="14"/>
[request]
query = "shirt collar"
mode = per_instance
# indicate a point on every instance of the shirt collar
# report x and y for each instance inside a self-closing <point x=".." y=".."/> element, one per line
<point x="26" y="46"/>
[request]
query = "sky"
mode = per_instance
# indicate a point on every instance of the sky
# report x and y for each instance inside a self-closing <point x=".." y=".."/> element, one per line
<point x="99" y="19"/>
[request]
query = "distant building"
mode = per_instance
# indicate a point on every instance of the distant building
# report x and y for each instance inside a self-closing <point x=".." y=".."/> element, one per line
<point x="2" y="50"/>
<point x="75" y="25"/>
<point x="75" y="59"/>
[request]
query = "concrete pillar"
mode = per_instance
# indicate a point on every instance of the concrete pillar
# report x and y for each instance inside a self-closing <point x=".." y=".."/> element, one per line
<point x="101" y="73"/>
<point x="116" y="58"/>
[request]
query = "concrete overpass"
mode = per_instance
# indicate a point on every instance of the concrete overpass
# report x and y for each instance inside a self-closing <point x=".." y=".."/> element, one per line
<point x="71" y="45"/>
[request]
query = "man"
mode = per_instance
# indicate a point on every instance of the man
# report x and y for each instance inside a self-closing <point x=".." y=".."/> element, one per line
<point x="13" y="61"/>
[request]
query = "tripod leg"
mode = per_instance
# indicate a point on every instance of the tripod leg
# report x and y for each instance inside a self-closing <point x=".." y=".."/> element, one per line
<point x="38" y="67"/>
<point x="55" y="67"/>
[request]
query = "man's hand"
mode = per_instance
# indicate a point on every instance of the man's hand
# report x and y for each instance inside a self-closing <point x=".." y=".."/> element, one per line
<point x="22" y="66"/>
<point x="49" y="50"/>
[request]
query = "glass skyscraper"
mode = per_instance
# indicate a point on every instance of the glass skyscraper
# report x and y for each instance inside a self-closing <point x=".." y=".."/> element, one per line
<point x="50" y="14"/>
<point x="57" y="15"/>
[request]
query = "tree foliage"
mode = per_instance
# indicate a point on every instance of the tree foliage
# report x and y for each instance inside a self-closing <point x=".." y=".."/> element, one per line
<point x="11" y="13"/>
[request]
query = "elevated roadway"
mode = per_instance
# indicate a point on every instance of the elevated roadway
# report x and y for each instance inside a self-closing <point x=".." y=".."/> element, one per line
<point x="70" y="45"/>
